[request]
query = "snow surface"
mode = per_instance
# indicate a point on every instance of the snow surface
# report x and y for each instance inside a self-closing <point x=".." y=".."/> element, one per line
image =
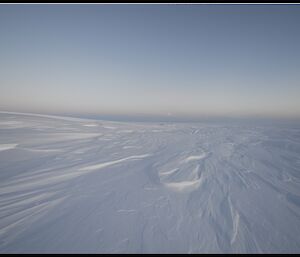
<point x="85" y="186"/>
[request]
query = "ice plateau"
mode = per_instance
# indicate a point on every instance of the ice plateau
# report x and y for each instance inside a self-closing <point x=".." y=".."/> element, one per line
<point x="71" y="185"/>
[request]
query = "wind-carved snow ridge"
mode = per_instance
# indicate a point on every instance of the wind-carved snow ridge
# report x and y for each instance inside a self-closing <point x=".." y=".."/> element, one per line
<point x="236" y="219"/>
<point x="4" y="147"/>
<point x="186" y="175"/>
<point x="180" y="186"/>
<point x="90" y="125"/>
<point x="195" y="157"/>
<point x="161" y="187"/>
<point x="106" y="164"/>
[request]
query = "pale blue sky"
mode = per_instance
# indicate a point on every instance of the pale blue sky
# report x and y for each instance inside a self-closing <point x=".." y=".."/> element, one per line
<point x="180" y="60"/>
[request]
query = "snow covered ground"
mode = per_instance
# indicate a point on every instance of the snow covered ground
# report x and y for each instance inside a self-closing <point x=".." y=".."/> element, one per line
<point x="84" y="186"/>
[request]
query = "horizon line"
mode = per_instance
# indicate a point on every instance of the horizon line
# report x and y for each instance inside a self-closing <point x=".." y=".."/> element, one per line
<point x="151" y="117"/>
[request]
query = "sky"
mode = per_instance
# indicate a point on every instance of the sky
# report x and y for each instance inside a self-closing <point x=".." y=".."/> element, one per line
<point x="157" y="60"/>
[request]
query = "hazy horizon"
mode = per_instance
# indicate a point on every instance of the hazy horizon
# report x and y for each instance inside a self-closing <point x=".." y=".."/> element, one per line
<point x="172" y="62"/>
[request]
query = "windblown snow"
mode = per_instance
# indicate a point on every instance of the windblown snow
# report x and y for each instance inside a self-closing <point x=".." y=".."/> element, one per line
<point x="85" y="186"/>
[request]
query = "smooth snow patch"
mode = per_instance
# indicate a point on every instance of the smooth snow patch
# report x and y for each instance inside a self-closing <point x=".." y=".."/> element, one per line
<point x="7" y="146"/>
<point x="150" y="188"/>
<point x="105" y="164"/>
<point x="126" y="211"/>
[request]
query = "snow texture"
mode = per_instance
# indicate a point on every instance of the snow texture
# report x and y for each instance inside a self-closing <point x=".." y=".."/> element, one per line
<point x="71" y="185"/>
